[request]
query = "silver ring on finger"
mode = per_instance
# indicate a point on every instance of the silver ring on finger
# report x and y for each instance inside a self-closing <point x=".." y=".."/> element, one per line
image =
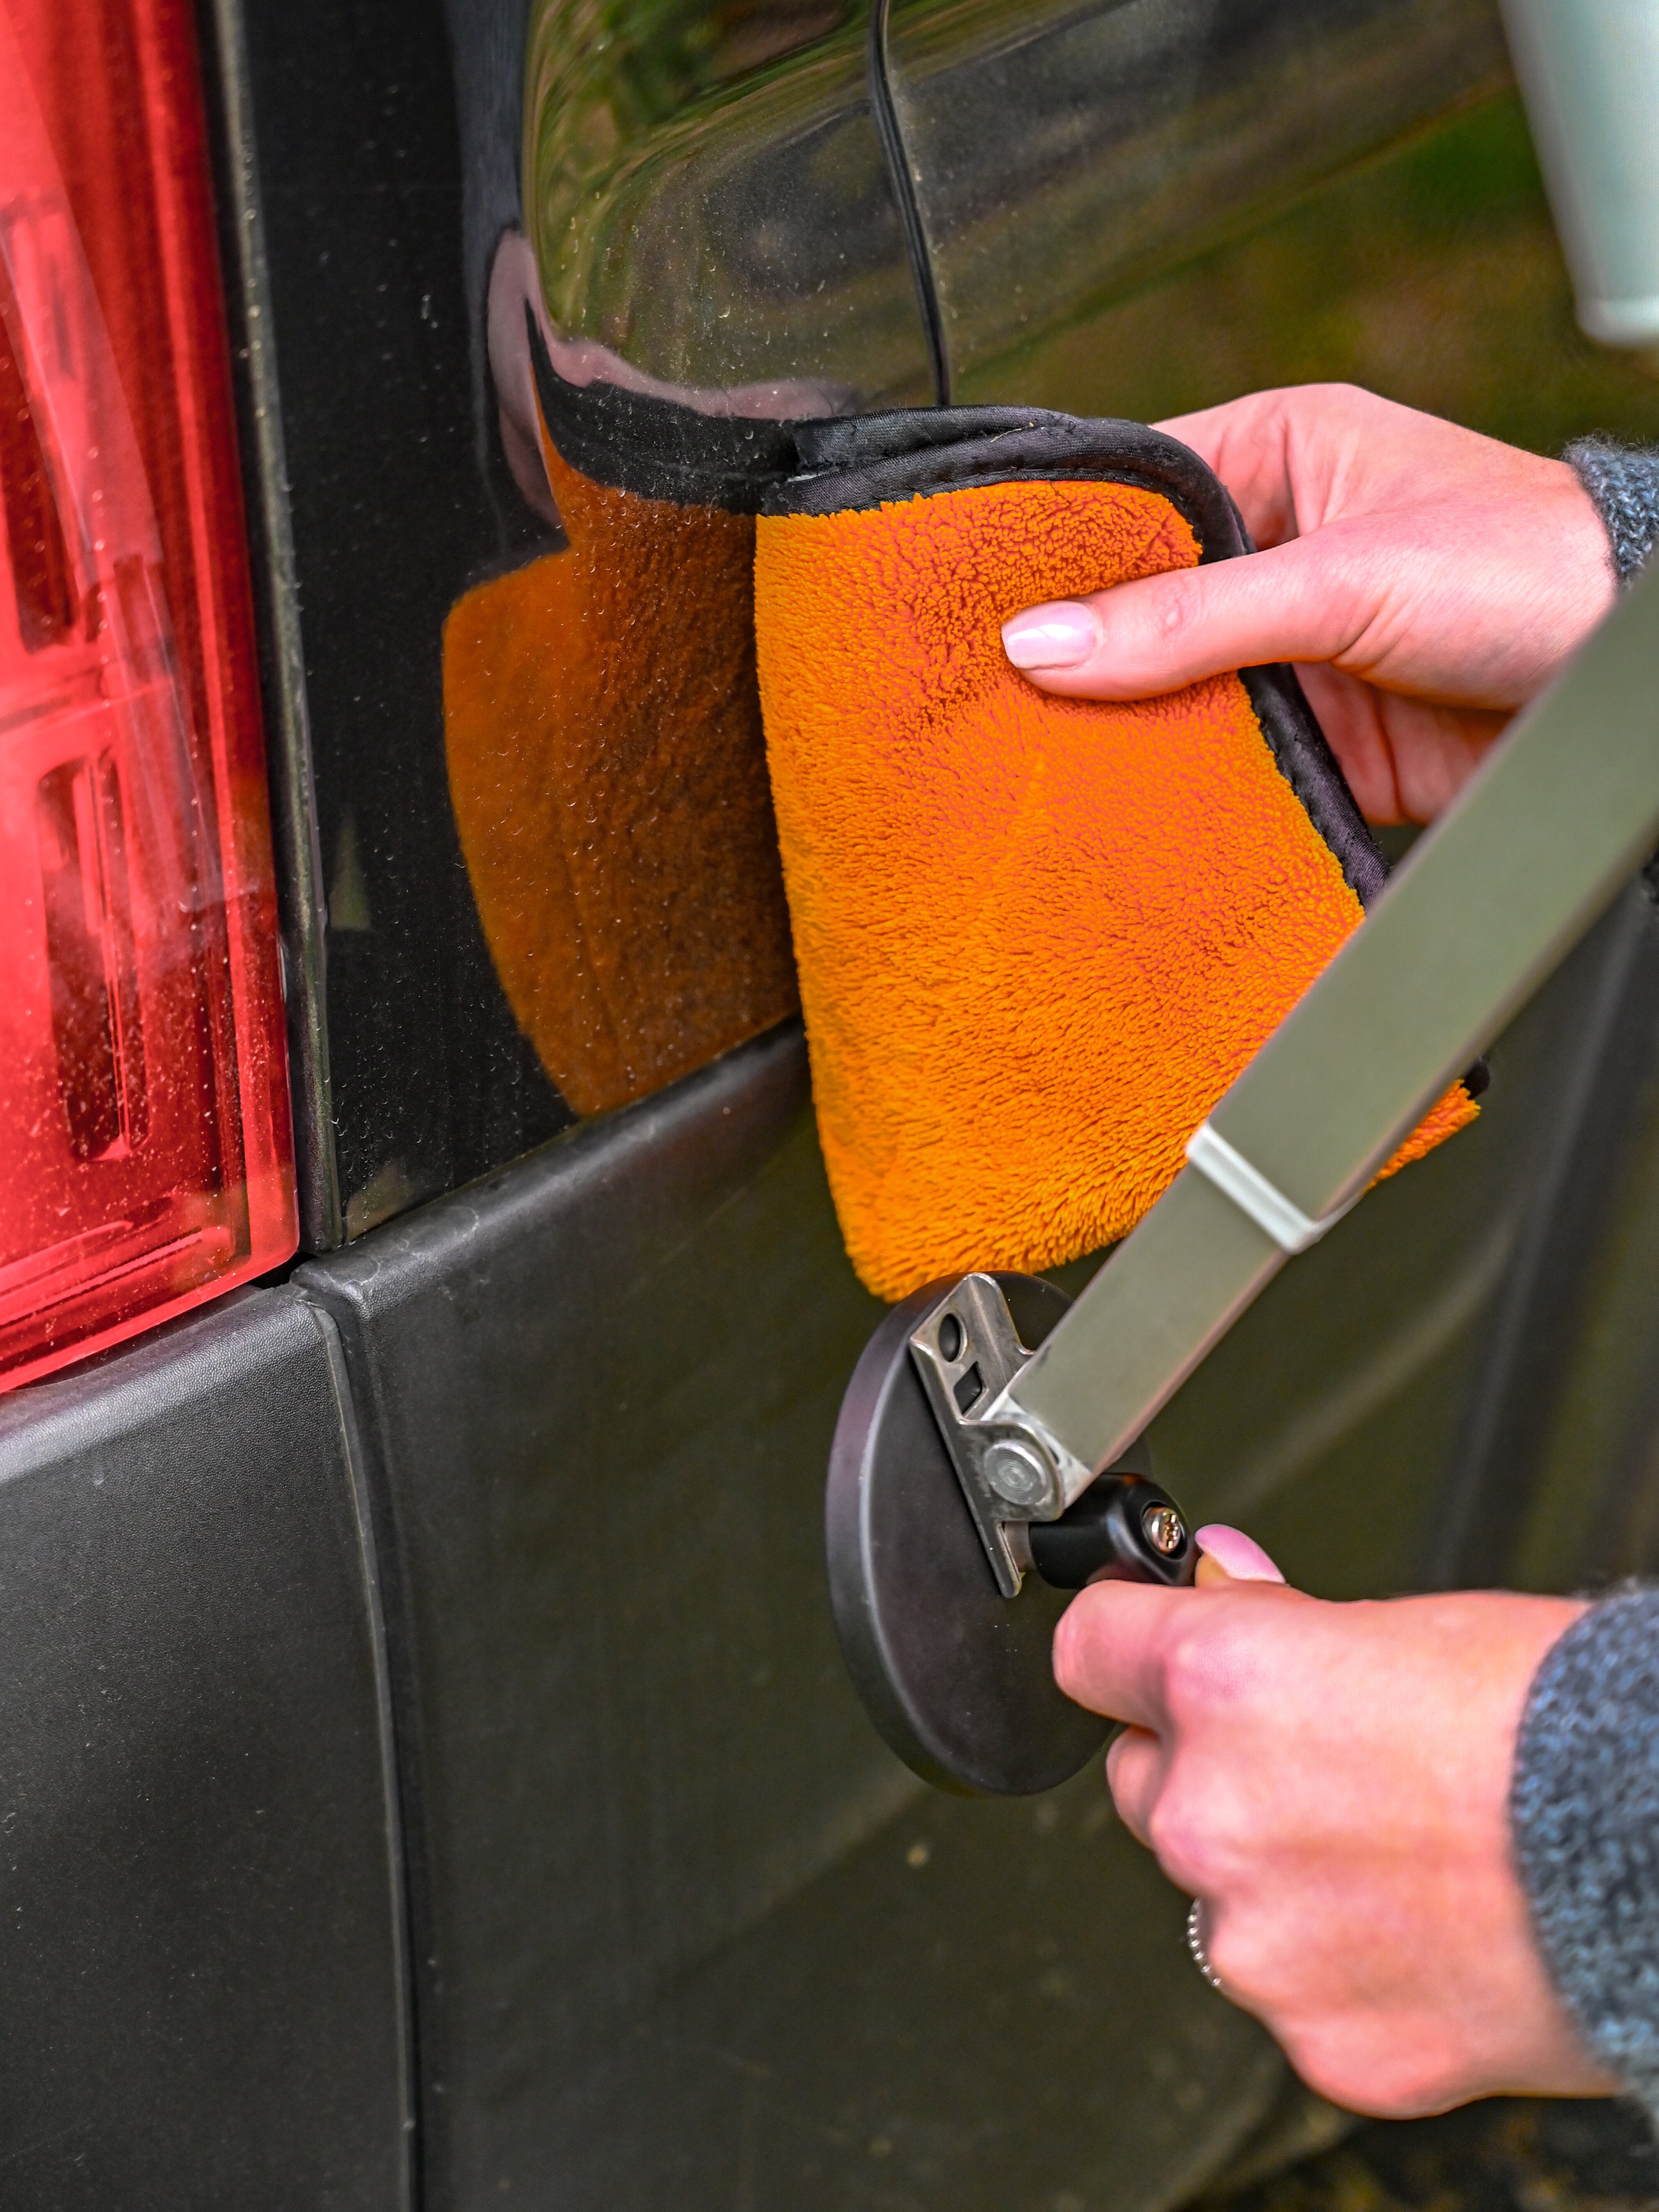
<point x="1196" y="1945"/>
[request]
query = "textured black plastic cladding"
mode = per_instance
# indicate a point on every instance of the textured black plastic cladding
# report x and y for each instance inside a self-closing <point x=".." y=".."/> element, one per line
<point x="199" y="1944"/>
<point x="669" y="1947"/>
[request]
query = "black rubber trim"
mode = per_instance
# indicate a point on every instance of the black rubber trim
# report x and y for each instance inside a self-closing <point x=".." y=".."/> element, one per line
<point x="746" y="465"/>
<point x="659" y="448"/>
<point x="863" y="461"/>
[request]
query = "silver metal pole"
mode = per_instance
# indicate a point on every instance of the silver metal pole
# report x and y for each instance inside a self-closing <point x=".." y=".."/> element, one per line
<point x="1489" y="900"/>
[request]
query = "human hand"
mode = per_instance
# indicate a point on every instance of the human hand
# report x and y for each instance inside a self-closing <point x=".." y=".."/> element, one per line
<point x="1333" y="1782"/>
<point x="1426" y="580"/>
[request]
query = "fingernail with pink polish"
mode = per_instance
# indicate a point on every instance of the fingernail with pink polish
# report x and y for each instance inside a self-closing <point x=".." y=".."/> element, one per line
<point x="1057" y="635"/>
<point x="1237" y="1554"/>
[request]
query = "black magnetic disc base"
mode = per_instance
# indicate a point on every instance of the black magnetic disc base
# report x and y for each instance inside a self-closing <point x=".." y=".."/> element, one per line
<point x="957" y="1678"/>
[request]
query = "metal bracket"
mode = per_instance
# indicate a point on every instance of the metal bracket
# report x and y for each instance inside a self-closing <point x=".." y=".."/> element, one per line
<point x="1561" y="814"/>
<point x="1564" y="810"/>
<point x="968" y="1355"/>
<point x="1251" y="1192"/>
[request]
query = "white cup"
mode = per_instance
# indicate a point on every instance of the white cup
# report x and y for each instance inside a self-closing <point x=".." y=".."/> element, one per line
<point x="1589" y="76"/>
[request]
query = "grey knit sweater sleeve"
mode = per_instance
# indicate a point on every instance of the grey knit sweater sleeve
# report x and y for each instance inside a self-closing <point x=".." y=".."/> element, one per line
<point x="1623" y="482"/>
<point x="1585" y="1810"/>
<point x="1584" y="1798"/>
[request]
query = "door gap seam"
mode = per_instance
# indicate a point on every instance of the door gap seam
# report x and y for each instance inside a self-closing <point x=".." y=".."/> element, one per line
<point x="900" y="176"/>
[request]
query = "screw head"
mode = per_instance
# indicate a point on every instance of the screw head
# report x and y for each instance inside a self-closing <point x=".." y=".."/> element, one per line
<point x="1165" y="1529"/>
<point x="1017" y="1474"/>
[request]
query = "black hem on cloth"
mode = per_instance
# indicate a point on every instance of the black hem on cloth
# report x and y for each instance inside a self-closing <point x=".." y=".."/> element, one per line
<point x="865" y="461"/>
<point x="659" y="448"/>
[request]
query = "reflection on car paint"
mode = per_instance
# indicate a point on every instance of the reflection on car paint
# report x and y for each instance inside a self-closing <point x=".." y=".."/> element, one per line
<point x="711" y="233"/>
<point x="603" y="733"/>
<point x="706" y="194"/>
<point x="1063" y="155"/>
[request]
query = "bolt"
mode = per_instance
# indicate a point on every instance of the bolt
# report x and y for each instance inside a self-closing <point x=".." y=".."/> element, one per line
<point x="1017" y="1474"/>
<point x="1164" y="1529"/>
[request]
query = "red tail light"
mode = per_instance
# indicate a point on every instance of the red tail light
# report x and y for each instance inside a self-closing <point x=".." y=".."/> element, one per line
<point x="145" y="1154"/>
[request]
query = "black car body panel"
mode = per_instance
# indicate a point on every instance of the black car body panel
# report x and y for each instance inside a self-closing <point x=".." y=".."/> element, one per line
<point x="391" y="518"/>
<point x="429" y="1776"/>
<point x="1064" y="155"/>
<point x="202" y="1932"/>
<point x="685" y="1929"/>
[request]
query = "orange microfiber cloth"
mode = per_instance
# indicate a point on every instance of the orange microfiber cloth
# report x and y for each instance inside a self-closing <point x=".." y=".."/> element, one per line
<point x="606" y="762"/>
<point x="1037" y="938"/>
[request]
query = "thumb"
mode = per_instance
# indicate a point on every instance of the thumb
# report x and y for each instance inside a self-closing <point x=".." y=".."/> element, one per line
<point x="1229" y="1555"/>
<point x="1141" y="638"/>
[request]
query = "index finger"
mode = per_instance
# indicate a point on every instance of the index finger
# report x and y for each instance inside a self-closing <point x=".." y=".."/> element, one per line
<point x="1312" y="600"/>
<point x="1108" y="1649"/>
<point x="1246" y="441"/>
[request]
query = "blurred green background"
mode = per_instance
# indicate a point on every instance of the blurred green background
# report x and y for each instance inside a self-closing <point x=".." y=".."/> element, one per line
<point x="1430" y="274"/>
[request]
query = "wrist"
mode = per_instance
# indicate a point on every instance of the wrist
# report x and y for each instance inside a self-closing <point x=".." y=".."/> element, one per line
<point x="1622" y="483"/>
<point x="1584" y="1817"/>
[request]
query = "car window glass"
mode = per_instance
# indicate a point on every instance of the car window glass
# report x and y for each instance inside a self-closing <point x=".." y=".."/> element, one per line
<point x="707" y="194"/>
<point x="711" y="247"/>
<point x="1063" y="155"/>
